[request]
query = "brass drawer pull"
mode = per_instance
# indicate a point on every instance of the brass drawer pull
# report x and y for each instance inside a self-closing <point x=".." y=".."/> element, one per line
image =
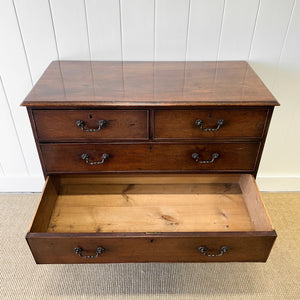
<point x="85" y="157"/>
<point x="196" y="156"/>
<point x="79" y="250"/>
<point x="81" y="124"/>
<point x="204" y="251"/>
<point x="199" y="123"/>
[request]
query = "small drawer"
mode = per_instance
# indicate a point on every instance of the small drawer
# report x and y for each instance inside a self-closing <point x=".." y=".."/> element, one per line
<point x="197" y="157"/>
<point x="150" y="218"/>
<point x="209" y="123"/>
<point x="90" y="125"/>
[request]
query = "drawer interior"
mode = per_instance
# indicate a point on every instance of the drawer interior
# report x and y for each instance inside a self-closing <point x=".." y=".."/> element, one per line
<point x="150" y="204"/>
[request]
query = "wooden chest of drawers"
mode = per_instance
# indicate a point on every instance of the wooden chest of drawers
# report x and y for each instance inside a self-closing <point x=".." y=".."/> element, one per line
<point x="150" y="162"/>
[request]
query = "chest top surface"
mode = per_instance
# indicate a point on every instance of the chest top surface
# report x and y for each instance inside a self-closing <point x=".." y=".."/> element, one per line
<point x="134" y="84"/>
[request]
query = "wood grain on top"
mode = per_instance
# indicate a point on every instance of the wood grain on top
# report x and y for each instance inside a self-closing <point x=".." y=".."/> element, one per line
<point x="90" y="83"/>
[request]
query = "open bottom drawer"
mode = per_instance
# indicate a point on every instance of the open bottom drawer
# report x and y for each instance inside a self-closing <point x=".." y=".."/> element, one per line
<point x="150" y="218"/>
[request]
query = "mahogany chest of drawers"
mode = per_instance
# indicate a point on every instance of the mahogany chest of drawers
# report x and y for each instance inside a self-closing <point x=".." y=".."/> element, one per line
<point x="150" y="162"/>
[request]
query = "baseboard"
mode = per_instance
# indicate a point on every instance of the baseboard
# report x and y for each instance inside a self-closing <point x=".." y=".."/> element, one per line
<point x="278" y="184"/>
<point x="33" y="184"/>
<point x="28" y="184"/>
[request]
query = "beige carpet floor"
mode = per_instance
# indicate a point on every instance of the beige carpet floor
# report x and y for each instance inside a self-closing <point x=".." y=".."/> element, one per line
<point x="21" y="278"/>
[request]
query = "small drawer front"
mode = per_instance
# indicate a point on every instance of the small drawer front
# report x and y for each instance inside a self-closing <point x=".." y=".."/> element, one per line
<point x="206" y="123"/>
<point x="239" y="248"/>
<point x="93" y="158"/>
<point x="68" y="125"/>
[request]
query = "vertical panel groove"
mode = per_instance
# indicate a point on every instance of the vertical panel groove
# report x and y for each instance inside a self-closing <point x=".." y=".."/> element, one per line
<point x="221" y="29"/>
<point x="154" y="33"/>
<point x="137" y="24"/>
<point x="14" y="126"/>
<point x="104" y="32"/>
<point x="121" y="29"/>
<point x="284" y="43"/>
<point x="122" y="50"/>
<point x="54" y="33"/>
<point x="23" y="45"/>
<point x="70" y="27"/>
<point x="254" y="29"/>
<point x="172" y="18"/>
<point x="87" y="29"/>
<point x="187" y="29"/>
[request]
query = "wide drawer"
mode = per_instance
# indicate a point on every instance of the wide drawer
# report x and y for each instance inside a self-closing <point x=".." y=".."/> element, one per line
<point x="209" y="123"/>
<point x="76" y="125"/>
<point x="229" y="156"/>
<point x="150" y="218"/>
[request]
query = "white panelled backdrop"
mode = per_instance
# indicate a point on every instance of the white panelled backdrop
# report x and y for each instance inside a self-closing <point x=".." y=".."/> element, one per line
<point x="264" y="32"/>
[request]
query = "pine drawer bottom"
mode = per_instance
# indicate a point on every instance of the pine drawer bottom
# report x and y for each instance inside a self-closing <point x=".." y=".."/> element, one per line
<point x="150" y="218"/>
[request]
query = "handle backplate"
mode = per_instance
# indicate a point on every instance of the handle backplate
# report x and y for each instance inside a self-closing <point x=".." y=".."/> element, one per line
<point x="200" y="123"/>
<point x="85" y="157"/>
<point x="196" y="157"/>
<point x="79" y="250"/>
<point x="204" y="251"/>
<point x="81" y="125"/>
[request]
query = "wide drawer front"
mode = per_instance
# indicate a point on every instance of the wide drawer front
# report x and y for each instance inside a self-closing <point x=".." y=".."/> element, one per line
<point x="68" y="125"/>
<point x="61" y="250"/>
<point x="150" y="218"/>
<point x="66" y="158"/>
<point x="209" y="123"/>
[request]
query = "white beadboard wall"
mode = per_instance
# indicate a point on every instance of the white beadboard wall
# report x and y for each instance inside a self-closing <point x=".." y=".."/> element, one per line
<point x="265" y="33"/>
